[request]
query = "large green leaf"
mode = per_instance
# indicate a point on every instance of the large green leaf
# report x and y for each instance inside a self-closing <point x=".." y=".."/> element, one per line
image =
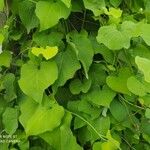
<point x="114" y="39"/>
<point x="85" y="51"/>
<point x="143" y="65"/>
<point x="49" y="13"/>
<point x="67" y="66"/>
<point x="35" y="79"/>
<point x="37" y="119"/>
<point x="62" y="138"/>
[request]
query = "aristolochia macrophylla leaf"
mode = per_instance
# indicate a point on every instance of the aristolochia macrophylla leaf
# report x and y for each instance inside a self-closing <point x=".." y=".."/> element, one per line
<point x="47" y="52"/>
<point x="37" y="119"/>
<point x="49" y="13"/>
<point x="35" y="80"/>
<point x="144" y="66"/>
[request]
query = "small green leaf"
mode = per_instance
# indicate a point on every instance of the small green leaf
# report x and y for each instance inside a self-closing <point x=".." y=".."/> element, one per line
<point x="67" y="3"/>
<point x="95" y="6"/>
<point x="76" y="86"/>
<point x="143" y="65"/>
<point x="9" y="86"/>
<point x="49" y="13"/>
<point x="118" y="110"/>
<point x="119" y="83"/>
<point x="10" y="120"/>
<point x="147" y="113"/>
<point x="5" y="59"/>
<point x="111" y="144"/>
<point x="35" y="80"/>
<point x="101" y="97"/>
<point x="47" y="52"/>
<point x="135" y="86"/>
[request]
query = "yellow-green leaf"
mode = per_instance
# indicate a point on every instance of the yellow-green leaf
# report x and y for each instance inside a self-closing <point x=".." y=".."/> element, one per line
<point x="47" y="52"/>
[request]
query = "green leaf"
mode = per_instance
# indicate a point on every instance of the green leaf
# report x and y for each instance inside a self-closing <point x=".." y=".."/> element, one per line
<point x="1" y="5"/>
<point x="37" y="119"/>
<point x="135" y="86"/>
<point x="143" y="65"/>
<point x="9" y="86"/>
<point x="26" y="11"/>
<point x="118" y="110"/>
<point x="101" y="97"/>
<point x="67" y="66"/>
<point x="48" y="39"/>
<point x="116" y="13"/>
<point x="5" y="59"/>
<point x="85" y="51"/>
<point x="95" y="6"/>
<point x="10" y="120"/>
<point x="62" y="138"/>
<point x="47" y="52"/>
<point x="76" y="86"/>
<point x="119" y="83"/>
<point x="97" y="74"/>
<point x="114" y="39"/>
<point x="1" y="38"/>
<point x="67" y="3"/>
<point x="115" y="3"/>
<point x="111" y="144"/>
<point x="145" y="33"/>
<point x="35" y="80"/>
<point x="49" y="13"/>
<point x="147" y="113"/>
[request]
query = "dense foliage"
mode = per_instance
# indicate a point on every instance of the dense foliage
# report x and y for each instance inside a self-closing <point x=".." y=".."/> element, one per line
<point x="75" y="74"/>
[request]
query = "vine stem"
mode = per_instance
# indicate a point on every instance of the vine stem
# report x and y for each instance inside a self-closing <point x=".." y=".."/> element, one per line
<point x="103" y="137"/>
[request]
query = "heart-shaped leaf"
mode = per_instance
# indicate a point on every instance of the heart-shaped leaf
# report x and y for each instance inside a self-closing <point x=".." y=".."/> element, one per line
<point x="35" y="80"/>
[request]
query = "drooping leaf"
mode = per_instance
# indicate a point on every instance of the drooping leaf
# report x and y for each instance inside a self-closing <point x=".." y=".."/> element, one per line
<point x="84" y="52"/>
<point x="147" y="113"/>
<point x="47" y="52"/>
<point x="49" y="13"/>
<point x="37" y="79"/>
<point x="67" y="66"/>
<point x="26" y="11"/>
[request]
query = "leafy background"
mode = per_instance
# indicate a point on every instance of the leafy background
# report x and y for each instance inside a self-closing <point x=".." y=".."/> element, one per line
<point x="75" y="74"/>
